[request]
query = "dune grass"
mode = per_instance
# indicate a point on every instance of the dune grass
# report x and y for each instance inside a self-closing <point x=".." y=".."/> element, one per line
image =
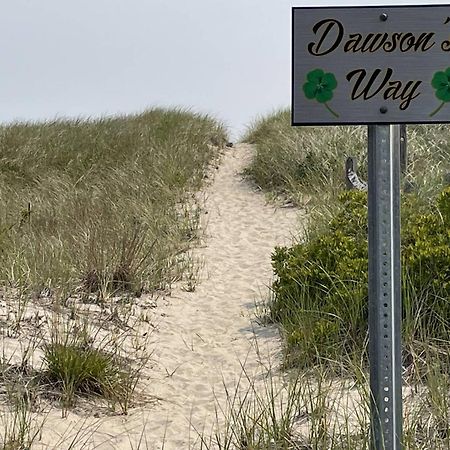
<point x="90" y="211"/>
<point x="101" y="205"/>
<point x="313" y="409"/>
<point x="75" y="367"/>
<point x="305" y="162"/>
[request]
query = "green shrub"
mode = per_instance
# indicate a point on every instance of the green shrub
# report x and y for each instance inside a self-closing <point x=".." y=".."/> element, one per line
<point x="321" y="291"/>
<point x="426" y="246"/>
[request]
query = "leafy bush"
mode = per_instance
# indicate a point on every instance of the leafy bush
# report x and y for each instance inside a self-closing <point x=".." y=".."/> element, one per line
<point x="321" y="292"/>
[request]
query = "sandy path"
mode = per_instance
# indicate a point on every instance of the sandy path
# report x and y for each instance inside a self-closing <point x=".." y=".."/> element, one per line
<point x="204" y="336"/>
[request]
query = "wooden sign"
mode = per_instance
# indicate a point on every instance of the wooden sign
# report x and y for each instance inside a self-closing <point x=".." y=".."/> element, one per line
<point x="379" y="65"/>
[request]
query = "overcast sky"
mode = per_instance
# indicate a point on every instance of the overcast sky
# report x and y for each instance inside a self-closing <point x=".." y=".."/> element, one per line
<point x="230" y="58"/>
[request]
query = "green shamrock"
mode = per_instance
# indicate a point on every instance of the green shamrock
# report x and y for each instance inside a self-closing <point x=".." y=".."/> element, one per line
<point x="441" y="82"/>
<point x="320" y="86"/>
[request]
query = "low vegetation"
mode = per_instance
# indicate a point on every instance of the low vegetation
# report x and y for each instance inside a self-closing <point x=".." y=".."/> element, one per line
<point x="76" y="365"/>
<point x="93" y="214"/>
<point x="314" y="410"/>
<point x="101" y="205"/>
<point x="319" y="296"/>
<point x="321" y="289"/>
<point x="300" y="162"/>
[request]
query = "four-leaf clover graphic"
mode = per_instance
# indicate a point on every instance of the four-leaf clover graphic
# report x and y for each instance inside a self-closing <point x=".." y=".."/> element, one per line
<point x="320" y="86"/>
<point x="441" y="82"/>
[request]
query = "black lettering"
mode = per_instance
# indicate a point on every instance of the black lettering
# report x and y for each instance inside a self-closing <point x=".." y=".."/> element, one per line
<point x="423" y="42"/>
<point x="365" y="91"/>
<point x="391" y="45"/>
<point x="372" y="43"/>
<point x="325" y="27"/>
<point x="409" y="93"/>
<point x="352" y="44"/>
<point x="407" y="42"/>
<point x="393" y="91"/>
<point x="445" y="46"/>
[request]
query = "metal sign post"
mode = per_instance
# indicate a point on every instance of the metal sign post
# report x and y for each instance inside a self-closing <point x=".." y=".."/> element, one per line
<point x="384" y="286"/>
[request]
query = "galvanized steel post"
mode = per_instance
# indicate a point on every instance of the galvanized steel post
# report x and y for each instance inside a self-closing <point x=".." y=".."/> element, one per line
<point x="385" y="287"/>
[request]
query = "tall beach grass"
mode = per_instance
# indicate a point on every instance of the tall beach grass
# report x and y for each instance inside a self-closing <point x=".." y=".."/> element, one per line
<point x="101" y="205"/>
<point x="90" y="211"/>
<point x="308" y="162"/>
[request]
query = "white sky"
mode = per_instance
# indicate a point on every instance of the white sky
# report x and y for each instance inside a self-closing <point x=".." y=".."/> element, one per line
<point x="85" y="58"/>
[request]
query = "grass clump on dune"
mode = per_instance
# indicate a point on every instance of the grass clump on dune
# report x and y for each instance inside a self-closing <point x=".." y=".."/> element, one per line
<point x="77" y="366"/>
<point x="295" y="161"/>
<point x="101" y="205"/>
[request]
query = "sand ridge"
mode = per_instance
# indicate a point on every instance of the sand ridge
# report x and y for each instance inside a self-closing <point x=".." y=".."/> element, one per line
<point x="203" y="337"/>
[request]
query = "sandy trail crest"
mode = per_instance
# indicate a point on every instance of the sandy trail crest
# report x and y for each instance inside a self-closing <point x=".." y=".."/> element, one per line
<point x="205" y="335"/>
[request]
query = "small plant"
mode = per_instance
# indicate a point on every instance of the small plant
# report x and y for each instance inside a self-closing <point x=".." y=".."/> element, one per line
<point x="257" y="417"/>
<point x="302" y="410"/>
<point x="20" y="430"/>
<point x="20" y="426"/>
<point x="75" y="367"/>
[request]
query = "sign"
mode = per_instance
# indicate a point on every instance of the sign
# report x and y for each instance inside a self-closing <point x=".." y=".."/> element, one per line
<point x="379" y="65"/>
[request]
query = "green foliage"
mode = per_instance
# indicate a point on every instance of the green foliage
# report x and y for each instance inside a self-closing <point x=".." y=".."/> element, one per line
<point x="77" y="369"/>
<point x="321" y="294"/>
<point x="426" y="246"/>
<point x="100" y="204"/>
<point x="74" y="367"/>
<point x="295" y="161"/>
